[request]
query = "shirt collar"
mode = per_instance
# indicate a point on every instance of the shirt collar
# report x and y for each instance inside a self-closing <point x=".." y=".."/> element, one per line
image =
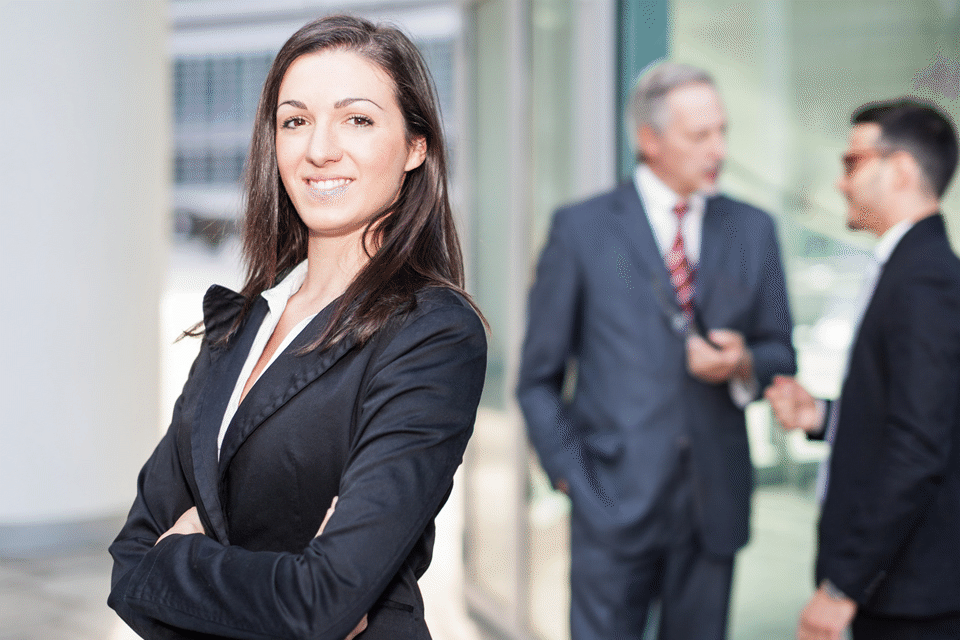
<point x="889" y="240"/>
<point x="658" y="196"/>
<point x="277" y="296"/>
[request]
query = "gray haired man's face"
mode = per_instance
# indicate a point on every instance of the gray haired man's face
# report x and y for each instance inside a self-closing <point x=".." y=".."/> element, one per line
<point x="688" y="152"/>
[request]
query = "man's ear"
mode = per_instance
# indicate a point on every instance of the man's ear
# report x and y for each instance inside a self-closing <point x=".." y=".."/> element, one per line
<point x="907" y="173"/>
<point x="648" y="141"/>
<point x="416" y="154"/>
<point x="917" y="177"/>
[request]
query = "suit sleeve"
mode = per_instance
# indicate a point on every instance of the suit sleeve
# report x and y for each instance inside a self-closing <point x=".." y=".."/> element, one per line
<point x="770" y="339"/>
<point x="553" y="312"/>
<point x="414" y="419"/>
<point x="162" y="497"/>
<point x="922" y="348"/>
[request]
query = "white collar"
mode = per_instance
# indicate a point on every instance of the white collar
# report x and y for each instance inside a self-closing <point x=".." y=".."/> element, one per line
<point x="278" y="295"/>
<point x="890" y="239"/>
<point x="658" y="195"/>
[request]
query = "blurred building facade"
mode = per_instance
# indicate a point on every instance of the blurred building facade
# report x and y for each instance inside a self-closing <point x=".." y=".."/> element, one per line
<point x="532" y="94"/>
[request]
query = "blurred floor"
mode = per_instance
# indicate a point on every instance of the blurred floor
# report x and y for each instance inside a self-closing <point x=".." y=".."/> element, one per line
<point x="63" y="596"/>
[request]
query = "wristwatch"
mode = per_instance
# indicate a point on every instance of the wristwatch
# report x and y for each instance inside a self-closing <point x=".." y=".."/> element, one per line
<point x="832" y="591"/>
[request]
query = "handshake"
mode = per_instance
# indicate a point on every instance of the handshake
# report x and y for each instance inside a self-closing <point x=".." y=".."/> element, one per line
<point x="794" y="407"/>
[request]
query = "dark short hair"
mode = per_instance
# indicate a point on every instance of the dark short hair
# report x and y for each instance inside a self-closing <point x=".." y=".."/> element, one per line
<point x="919" y="128"/>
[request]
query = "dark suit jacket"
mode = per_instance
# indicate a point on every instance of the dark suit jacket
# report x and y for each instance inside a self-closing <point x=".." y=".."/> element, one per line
<point x="890" y="526"/>
<point x="382" y="426"/>
<point x="603" y="299"/>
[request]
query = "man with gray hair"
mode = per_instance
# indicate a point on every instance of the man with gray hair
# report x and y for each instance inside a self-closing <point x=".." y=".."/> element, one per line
<point x="670" y="300"/>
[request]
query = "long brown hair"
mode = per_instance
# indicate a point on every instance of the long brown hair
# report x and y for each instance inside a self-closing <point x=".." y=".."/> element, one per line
<point x="415" y="238"/>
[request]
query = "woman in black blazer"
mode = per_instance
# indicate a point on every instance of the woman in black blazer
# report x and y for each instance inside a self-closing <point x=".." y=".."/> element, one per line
<point x="350" y="367"/>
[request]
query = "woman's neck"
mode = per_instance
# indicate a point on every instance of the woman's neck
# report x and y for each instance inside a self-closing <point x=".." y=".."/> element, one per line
<point x="333" y="263"/>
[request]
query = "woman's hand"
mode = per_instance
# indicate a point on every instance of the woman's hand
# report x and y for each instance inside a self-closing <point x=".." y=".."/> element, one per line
<point x="323" y="525"/>
<point x="186" y="524"/>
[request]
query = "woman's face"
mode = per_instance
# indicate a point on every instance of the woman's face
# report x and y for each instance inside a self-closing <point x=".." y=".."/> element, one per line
<point x="342" y="149"/>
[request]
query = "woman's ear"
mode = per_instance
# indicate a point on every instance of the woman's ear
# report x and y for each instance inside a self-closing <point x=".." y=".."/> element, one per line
<point x="417" y="154"/>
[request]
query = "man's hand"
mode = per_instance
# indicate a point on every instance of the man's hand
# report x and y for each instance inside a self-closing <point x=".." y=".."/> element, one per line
<point x="825" y="617"/>
<point x="362" y="625"/>
<point x="186" y="525"/>
<point x="793" y="405"/>
<point x="729" y="359"/>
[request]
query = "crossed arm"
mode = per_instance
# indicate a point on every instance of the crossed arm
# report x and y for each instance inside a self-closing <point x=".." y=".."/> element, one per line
<point x="417" y="414"/>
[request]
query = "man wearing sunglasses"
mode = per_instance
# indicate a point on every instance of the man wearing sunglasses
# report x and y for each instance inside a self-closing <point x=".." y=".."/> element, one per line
<point x="889" y="557"/>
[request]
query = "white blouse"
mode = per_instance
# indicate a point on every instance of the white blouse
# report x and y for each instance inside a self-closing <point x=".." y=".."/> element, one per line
<point x="276" y="298"/>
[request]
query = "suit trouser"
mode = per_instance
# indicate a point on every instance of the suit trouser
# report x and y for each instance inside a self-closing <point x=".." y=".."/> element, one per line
<point x="873" y="627"/>
<point x="611" y="591"/>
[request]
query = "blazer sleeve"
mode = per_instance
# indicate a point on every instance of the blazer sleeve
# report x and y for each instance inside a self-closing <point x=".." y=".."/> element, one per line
<point x="415" y="416"/>
<point x="770" y="339"/>
<point x="553" y="311"/>
<point x="911" y="446"/>
<point x="162" y="497"/>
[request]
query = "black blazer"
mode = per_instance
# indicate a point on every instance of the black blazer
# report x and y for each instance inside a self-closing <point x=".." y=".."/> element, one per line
<point x="890" y="526"/>
<point x="382" y="426"/>
<point x="603" y="299"/>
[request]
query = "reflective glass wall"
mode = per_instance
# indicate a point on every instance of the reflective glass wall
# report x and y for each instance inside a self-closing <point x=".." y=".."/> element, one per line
<point x="542" y="136"/>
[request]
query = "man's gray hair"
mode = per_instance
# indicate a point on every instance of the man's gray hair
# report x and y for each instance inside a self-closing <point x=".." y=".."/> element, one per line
<point x="648" y="98"/>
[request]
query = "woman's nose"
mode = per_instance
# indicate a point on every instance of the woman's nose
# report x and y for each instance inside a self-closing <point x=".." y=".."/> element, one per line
<point x="324" y="146"/>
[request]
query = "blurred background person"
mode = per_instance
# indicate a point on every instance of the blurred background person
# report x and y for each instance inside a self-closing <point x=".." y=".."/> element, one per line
<point x="888" y="559"/>
<point x="348" y="370"/>
<point x="670" y="298"/>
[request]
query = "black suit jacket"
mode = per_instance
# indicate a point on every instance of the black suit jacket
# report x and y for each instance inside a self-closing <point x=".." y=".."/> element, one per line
<point x="382" y="426"/>
<point x="890" y="527"/>
<point x="603" y="299"/>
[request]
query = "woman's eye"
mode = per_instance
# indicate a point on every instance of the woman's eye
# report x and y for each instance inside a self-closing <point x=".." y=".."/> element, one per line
<point x="292" y="123"/>
<point x="360" y="121"/>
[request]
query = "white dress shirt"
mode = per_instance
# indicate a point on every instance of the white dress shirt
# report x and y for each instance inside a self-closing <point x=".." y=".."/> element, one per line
<point x="276" y="298"/>
<point x="659" y="201"/>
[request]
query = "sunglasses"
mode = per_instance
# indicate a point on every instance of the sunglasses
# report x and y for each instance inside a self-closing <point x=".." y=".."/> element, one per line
<point x="851" y="161"/>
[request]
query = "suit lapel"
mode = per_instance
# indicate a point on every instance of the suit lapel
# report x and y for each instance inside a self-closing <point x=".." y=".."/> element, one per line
<point x="645" y="254"/>
<point x="919" y="234"/>
<point x="220" y="383"/>
<point x="713" y="246"/>
<point x="281" y="381"/>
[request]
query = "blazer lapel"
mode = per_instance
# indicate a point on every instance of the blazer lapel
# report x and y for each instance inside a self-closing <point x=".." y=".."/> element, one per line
<point x="219" y="386"/>
<point x="645" y="253"/>
<point x="713" y="246"/>
<point x="282" y="380"/>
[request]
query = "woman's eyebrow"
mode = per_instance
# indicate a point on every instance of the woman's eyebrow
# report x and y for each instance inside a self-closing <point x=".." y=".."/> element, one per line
<point x="293" y="103"/>
<point x="339" y="104"/>
<point x="348" y="101"/>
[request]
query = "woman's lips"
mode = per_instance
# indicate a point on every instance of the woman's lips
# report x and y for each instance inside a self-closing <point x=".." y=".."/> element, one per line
<point x="324" y="190"/>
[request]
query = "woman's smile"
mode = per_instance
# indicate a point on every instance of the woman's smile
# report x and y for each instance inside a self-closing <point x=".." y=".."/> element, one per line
<point x="341" y="140"/>
<point x="325" y="190"/>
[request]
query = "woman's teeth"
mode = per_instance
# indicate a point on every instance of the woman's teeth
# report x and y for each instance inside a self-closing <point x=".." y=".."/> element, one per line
<point x="325" y="189"/>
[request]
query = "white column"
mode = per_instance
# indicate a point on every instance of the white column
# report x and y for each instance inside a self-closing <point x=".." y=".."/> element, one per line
<point x="84" y="102"/>
<point x="595" y="97"/>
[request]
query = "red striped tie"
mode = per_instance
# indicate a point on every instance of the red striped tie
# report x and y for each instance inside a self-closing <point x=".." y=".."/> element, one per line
<point x="681" y="275"/>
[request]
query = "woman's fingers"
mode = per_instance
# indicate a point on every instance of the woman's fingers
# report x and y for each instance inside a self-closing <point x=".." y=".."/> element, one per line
<point x="186" y="524"/>
<point x="326" y="519"/>
<point x="359" y="628"/>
